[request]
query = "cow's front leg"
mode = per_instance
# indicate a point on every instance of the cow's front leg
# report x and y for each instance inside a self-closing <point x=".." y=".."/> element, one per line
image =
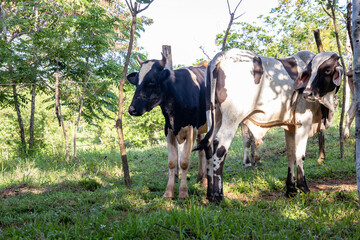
<point x="172" y="160"/>
<point x="301" y="141"/>
<point x="185" y="162"/>
<point x="290" y="153"/>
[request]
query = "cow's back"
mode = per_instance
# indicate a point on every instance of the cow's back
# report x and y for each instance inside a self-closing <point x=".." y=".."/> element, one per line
<point x="186" y="106"/>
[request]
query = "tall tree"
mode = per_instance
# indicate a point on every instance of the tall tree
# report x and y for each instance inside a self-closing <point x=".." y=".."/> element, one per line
<point x="356" y="65"/>
<point x="332" y="5"/>
<point x="135" y="8"/>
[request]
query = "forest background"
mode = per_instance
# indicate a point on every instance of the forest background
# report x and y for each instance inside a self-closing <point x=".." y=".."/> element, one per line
<point x="81" y="46"/>
<point x="61" y="175"/>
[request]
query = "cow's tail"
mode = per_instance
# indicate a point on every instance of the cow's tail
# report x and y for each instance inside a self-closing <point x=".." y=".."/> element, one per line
<point x="210" y="85"/>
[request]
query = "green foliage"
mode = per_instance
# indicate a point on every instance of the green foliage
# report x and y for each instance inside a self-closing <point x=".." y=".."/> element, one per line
<point x="84" y="42"/>
<point x="287" y="29"/>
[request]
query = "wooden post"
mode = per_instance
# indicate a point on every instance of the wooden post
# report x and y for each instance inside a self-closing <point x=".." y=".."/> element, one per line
<point x="166" y="50"/>
<point x="321" y="136"/>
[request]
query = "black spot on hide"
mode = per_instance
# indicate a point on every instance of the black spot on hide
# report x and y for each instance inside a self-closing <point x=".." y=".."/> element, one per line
<point x="221" y="152"/>
<point x="258" y="69"/>
<point x="290" y="66"/>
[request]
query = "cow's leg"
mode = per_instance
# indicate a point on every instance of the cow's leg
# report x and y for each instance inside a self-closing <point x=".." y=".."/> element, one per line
<point x="221" y="146"/>
<point x="350" y="115"/>
<point x="201" y="177"/>
<point x="301" y="138"/>
<point x="185" y="162"/>
<point x="290" y="154"/>
<point x="247" y="145"/>
<point x="255" y="156"/>
<point x="173" y="159"/>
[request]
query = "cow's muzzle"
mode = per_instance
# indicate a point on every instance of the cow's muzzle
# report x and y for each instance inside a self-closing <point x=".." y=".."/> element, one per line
<point x="133" y="111"/>
<point x="308" y="95"/>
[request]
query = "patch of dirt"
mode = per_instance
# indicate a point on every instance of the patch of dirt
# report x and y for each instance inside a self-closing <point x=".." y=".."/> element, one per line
<point x="329" y="185"/>
<point x="345" y="184"/>
<point x="20" y="189"/>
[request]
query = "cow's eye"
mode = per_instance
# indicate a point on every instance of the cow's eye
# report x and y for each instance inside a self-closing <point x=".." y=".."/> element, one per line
<point x="327" y="71"/>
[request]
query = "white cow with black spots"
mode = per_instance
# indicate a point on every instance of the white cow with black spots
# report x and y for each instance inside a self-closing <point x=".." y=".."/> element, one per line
<point x="262" y="92"/>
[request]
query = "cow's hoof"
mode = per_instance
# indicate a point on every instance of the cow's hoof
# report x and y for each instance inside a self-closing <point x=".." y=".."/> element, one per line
<point x="304" y="189"/>
<point x="215" y="198"/>
<point x="168" y="195"/>
<point x="183" y="195"/>
<point x="290" y="193"/>
<point x="204" y="183"/>
<point x="247" y="165"/>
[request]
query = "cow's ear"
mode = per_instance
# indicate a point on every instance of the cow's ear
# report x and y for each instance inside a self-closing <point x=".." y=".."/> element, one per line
<point x="302" y="81"/>
<point x="164" y="74"/>
<point x="338" y="75"/>
<point x="133" y="78"/>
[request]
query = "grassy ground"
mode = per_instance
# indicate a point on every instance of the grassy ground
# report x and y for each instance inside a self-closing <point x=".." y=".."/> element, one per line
<point x="45" y="197"/>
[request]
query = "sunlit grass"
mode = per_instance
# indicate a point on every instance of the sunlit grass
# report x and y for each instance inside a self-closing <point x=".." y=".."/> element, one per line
<point x="45" y="197"/>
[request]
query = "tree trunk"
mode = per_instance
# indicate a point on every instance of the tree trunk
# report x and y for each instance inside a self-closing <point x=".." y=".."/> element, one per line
<point x="19" y="117"/>
<point x="321" y="135"/>
<point x="81" y="103"/>
<point x="119" y="127"/>
<point x="32" y="118"/>
<point x="356" y="65"/>
<point x="59" y="115"/>
<point x="341" y="132"/>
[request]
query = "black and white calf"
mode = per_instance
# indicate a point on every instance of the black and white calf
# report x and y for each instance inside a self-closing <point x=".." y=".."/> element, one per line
<point x="263" y="93"/>
<point x="181" y="96"/>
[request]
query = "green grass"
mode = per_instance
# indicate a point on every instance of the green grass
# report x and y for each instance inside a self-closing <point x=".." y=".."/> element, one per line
<point x="45" y="197"/>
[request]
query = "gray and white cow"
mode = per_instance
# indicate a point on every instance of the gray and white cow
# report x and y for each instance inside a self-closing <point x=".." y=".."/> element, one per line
<point x="181" y="97"/>
<point x="263" y="93"/>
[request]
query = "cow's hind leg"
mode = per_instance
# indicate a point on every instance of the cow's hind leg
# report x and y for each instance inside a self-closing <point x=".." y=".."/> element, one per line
<point x="350" y="115"/>
<point x="173" y="161"/>
<point x="221" y="146"/>
<point x="201" y="177"/>
<point x="247" y="144"/>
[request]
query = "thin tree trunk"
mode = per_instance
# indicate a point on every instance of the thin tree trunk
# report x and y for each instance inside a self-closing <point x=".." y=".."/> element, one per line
<point x="321" y="135"/>
<point x="119" y="127"/>
<point x="32" y="118"/>
<point x="341" y="132"/>
<point x="356" y="65"/>
<point x="59" y="115"/>
<point x="227" y="31"/>
<point x="19" y="117"/>
<point x="81" y="103"/>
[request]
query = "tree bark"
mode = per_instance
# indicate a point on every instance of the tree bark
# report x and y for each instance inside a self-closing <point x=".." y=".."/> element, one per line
<point x="321" y="135"/>
<point x="59" y="115"/>
<point x="19" y="118"/>
<point x="32" y="118"/>
<point x="356" y="76"/>
<point x="81" y="103"/>
<point x="341" y="132"/>
<point x="166" y="50"/>
<point x="119" y="127"/>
